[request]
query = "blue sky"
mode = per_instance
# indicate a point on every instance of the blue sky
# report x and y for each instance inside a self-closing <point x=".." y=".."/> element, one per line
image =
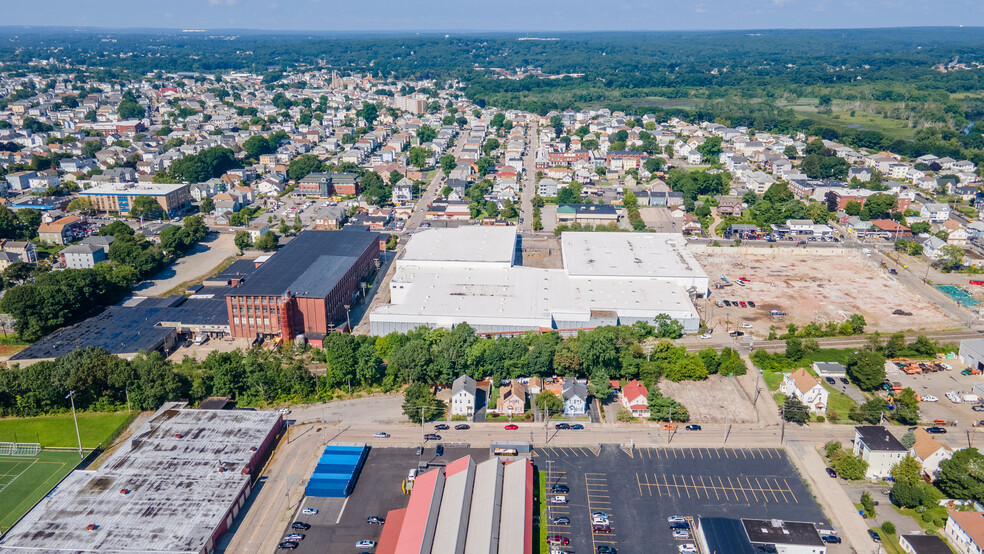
<point x="498" y="15"/>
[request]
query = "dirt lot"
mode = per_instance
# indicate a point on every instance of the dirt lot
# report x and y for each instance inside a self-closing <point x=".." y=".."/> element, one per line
<point x="712" y="401"/>
<point x="814" y="285"/>
<point x="542" y="251"/>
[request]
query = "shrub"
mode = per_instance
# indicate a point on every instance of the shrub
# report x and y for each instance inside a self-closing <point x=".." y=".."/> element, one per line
<point x="888" y="527"/>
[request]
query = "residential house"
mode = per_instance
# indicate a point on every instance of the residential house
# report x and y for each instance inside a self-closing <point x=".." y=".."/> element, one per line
<point x="60" y="231"/>
<point x="82" y="256"/>
<point x="879" y="448"/>
<point x="403" y="191"/>
<point x="807" y="388"/>
<point x="227" y="203"/>
<point x="19" y="251"/>
<point x="635" y="397"/>
<point x="463" y="392"/>
<point x="512" y="399"/>
<point x="547" y="187"/>
<point x="929" y="452"/>
<point x="933" y="248"/>
<point x="729" y="205"/>
<point x="965" y="531"/>
<point x="575" y="396"/>
<point x="935" y="212"/>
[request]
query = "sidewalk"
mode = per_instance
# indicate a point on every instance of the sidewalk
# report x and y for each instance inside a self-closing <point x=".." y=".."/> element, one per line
<point x="838" y="506"/>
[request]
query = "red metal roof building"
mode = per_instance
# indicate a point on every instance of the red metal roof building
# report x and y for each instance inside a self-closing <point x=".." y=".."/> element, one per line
<point x="465" y="508"/>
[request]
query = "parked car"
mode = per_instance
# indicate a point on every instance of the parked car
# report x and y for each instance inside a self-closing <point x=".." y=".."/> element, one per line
<point x="563" y="489"/>
<point x="746" y="325"/>
<point x="743" y="304"/>
<point x="562" y="520"/>
<point x="462" y="427"/>
<point x="439" y="451"/>
<point x="558" y="499"/>
<point x="977" y="408"/>
<point x="692" y="427"/>
<point x="705" y="336"/>
<point x="681" y="534"/>
<point x="420" y="450"/>
<point x="687" y="547"/>
<point x="577" y="426"/>
<point x="432" y="437"/>
<point x="300" y="525"/>
<point x="736" y="334"/>
<point x="831" y="473"/>
<point x="751" y="304"/>
<point x="727" y="303"/>
<point x="382" y="435"/>
<point x="375" y="520"/>
<point x="844" y="381"/>
<point x="831" y="539"/>
<point x="558" y="540"/>
<point x="511" y="427"/>
<point x="605" y="549"/>
<point x="294" y="537"/>
<point x="930" y="398"/>
<point x="365" y="544"/>
<point x="874" y="535"/>
<point x="966" y="372"/>
<point x="676" y="519"/>
<point x="562" y="426"/>
<point x="601" y="528"/>
<point x="310" y="511"/>
<point x="830" y="380"/>
<point x="936" y="430"/>
<point x="441" y="427"/>
<point x="287" y="545"/>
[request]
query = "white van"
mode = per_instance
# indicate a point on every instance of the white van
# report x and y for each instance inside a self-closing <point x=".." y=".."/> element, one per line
<point x="971" y="398"/>
<point x="412" y="475"/>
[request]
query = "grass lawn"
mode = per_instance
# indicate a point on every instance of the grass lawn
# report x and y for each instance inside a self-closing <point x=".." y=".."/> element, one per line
<point x="25" y="480"/>
<point x="772" y="379"/>
<point x="540" y="484"/>
<point x="841" y="118"/>
<point x="780" y="398"/>
<point x="59" y="430"/>
<point x="839" y="402"/>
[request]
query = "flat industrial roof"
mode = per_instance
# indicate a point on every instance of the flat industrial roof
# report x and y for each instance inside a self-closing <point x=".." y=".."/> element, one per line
<point x="629" y="255"/>
<point x="168" y="488"/>
<point x="133" y="189"/>
<point x="777" y="531"/>
<point x="527" y="296"/>
<point x="310" y="265"/>
<point x="481" y="245"/>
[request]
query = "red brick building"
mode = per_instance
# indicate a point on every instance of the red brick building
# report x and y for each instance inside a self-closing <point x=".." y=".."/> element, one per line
<point x="304" y="287"/>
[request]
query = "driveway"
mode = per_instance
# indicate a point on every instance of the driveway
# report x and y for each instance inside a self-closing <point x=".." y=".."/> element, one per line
<point x="198" y="262"/>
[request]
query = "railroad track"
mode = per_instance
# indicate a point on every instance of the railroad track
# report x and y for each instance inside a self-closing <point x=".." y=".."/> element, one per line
<point x="848" y="342"/>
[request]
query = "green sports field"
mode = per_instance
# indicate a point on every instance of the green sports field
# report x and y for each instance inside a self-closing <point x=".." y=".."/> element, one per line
<point x="26" y="479"/>
<point x="59" y="430"/>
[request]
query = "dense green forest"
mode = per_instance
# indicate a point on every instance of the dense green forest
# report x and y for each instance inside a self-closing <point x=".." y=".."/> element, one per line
<point x="757" y="78"/>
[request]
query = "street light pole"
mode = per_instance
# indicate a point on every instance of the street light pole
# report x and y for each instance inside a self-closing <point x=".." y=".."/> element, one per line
<point x="71" y="396"/>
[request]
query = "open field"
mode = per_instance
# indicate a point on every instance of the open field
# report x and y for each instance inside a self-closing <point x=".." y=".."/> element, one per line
<point x="25" y="480"/>
<point x="840" y="118"/>
<point x="812" y="285"/>
<point x="59" y="430"/>
<point x="719" y="399"/>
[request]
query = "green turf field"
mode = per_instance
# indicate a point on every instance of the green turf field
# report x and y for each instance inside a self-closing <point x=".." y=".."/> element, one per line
<point x="59" y="430"/>
<point x="25" y="480"/>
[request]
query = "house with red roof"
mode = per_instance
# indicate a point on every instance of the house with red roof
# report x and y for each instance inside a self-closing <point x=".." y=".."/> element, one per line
<point x="635" y="397"/>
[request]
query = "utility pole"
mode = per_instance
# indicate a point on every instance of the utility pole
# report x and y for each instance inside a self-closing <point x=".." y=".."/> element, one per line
<point x="782" y="411"/>
<point x="71" y="396"/>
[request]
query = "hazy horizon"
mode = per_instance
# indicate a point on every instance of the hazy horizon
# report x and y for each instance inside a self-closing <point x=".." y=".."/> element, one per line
<point x="542" y="16"/>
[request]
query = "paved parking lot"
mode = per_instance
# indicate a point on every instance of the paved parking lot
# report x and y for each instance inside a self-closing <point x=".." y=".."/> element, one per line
<point x="938" y="384"/>
<point x="341" y="522"/>
<point x="639" y="489"/>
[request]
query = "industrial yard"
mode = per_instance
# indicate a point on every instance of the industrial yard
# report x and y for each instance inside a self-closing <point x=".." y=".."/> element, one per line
<point x="820" y="285"/>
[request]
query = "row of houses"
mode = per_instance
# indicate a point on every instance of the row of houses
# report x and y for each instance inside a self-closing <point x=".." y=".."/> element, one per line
<point x="515" y="394"/>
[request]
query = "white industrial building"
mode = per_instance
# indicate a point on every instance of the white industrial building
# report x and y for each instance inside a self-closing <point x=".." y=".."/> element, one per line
<point x="450" y="276"/>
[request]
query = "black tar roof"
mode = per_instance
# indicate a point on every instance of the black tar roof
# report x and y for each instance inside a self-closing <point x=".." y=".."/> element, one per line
<point x="787" y="532"/>
<point x="310" y="265"/>
<point x="876" y="437"/>
<point x="239" y="268"/>
<point x="726" y="535"/>
<point x="927" y="544"/>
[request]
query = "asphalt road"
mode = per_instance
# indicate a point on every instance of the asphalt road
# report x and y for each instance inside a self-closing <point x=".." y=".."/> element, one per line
<point x="529" y="176"/>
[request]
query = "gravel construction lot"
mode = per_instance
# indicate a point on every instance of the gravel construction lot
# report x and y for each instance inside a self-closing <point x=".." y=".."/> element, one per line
<point x="719" y="399"/>
<point x="819" y="284"/>
<point x="651" y="484"/>
<point x="199" y="261"/>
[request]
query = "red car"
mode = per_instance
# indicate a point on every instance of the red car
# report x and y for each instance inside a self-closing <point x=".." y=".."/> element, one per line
<point x="512" y="427"/>
<point x="743" y="279"/>
<point x="557" y="540"/>
<point x="742" y="304"/>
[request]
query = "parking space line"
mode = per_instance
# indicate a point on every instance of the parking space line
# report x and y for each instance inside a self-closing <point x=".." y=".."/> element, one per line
<point x="694" y="483"/>
<point x="742" y="488"/>
<point x="790" y="491"/>
<point x="638" y="482"/>
<point x="782" y="492"/>
<point x="713" y="488"/>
